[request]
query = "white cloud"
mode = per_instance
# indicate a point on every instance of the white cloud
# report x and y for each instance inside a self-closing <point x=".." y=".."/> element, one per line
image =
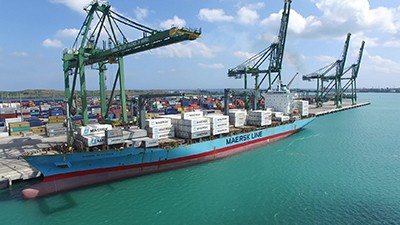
<point x="247" y="16"/>
<point x="214" y="15"/>
<point x="243" y="55"/>
<point x="297" y="23"/>
<point x="20" y="54"/>
<point x="382" y="65"/>
<point x="187" y="50"/>
<point x="326" y="59"/>
<point x="212" y="66"/>
<point x="141" y="13"/>
<point x="76" y="5"/>
<point x="359" y="13"/>
<point x="68" y="32"/>
<point x="175" y="21"/>
<point x="52" y="43"/>
<point x="395" y="43"/>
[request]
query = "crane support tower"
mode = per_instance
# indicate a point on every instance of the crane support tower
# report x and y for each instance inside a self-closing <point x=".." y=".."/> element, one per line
<point x="334" y="84"/>
<point x="101" y="41"/>
<point x="273" y="54"/>
<point x="352" y="80"/>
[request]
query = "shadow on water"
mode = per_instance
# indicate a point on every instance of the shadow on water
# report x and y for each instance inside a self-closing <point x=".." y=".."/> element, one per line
<point x="55" y="203"/>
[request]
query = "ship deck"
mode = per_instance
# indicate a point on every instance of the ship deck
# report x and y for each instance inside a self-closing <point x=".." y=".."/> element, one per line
<point x="14" y="168"/>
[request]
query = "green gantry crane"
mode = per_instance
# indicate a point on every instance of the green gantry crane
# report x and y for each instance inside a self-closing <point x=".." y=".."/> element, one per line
<point x="273" y="53"/>
<point x="352" y="80"/>
<point x="104" y="25"/>
<point x="334" y="81"/>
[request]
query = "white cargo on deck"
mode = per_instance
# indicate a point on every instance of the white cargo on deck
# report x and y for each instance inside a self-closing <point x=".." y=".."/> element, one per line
<point x="192" y="115"/>
<point x="134" y="133"/>
<point x="259" y="117"/>
<point x="158" y="122"/>
<point x="160" y="129"/>
<point x="221" y="130"/>
<point x="194" y="128"/>
<point x="146" y="141"/>
<point x="302" y="106"/>
<point x="279" y="101"/>
<point x="194" y="122"/>
<point x="93" y="129"/>
<point x="193" y="135"/>
<point x="92" y="140"/>
<point x="217" y="118"/>
<point x="237" y="117"/>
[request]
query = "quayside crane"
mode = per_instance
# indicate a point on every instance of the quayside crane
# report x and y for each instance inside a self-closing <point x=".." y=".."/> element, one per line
<point x="334" y="80"/>
<point x="352" y="80"/>
<point x="273" y="54"/>
<point x="101" y="41"/>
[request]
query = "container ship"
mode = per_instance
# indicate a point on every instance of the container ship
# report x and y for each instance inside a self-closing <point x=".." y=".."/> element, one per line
<point x="103" y="153"/>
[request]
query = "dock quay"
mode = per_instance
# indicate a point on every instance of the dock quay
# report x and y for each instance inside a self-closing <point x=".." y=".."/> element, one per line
<point x="330" y="107"/>
<point x="12" y="166"/>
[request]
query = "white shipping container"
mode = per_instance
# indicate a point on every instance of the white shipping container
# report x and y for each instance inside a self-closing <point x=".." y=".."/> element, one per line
<point x="220" y="125"/>
<point x="193" y="135"/>
<point x="194" y="122"/>
<point x="12" y="120"/>
<point x="282" y="118"/>
<point x="222" y="130"/>
<point x="162" y="135"/>
<point x="145" y="142"/>
<point x="192" y="115"/>
<point x="161" y="129"/>
<point x="259" y="113"/>
<point x="134" y="133"/>
<point x="217" y="118"/>
<point x="260" y="122"/>
<point x="93" y="129"/>
<point x="158" y="122"/>
<point x="193" y="128"/>
<point x="277" y="114"/>
<point x="92" y="140"/>
<point x="114" y="140"/>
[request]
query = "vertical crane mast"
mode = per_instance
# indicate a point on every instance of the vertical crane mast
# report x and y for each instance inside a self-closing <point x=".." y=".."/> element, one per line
<point x="273" y="53"/>
<point x="277" y="55"/>
<point x="339" y="73"/>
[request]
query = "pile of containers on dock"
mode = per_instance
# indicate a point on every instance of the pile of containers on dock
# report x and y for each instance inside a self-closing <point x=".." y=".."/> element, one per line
<point x="55" y="126"/>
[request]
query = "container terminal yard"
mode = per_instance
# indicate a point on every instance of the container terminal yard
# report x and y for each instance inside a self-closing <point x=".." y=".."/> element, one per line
<point x="81" y="141"/>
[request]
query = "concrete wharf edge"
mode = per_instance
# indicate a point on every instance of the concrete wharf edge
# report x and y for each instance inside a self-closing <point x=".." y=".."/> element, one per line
<point x="329" y="107"/>
<point x="13" y="167"/>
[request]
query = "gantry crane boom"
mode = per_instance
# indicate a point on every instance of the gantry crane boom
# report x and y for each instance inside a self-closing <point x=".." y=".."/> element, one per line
<point x="88" y="50"/>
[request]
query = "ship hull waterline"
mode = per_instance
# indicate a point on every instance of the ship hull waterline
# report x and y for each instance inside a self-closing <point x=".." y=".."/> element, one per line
<point x="72" y="180"/>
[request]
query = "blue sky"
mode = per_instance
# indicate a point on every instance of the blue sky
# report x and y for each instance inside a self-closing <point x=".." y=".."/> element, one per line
<point x="36" y="32"/>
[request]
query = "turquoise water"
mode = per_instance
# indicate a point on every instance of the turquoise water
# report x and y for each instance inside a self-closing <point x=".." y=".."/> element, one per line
<point x="343" y="168"/>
